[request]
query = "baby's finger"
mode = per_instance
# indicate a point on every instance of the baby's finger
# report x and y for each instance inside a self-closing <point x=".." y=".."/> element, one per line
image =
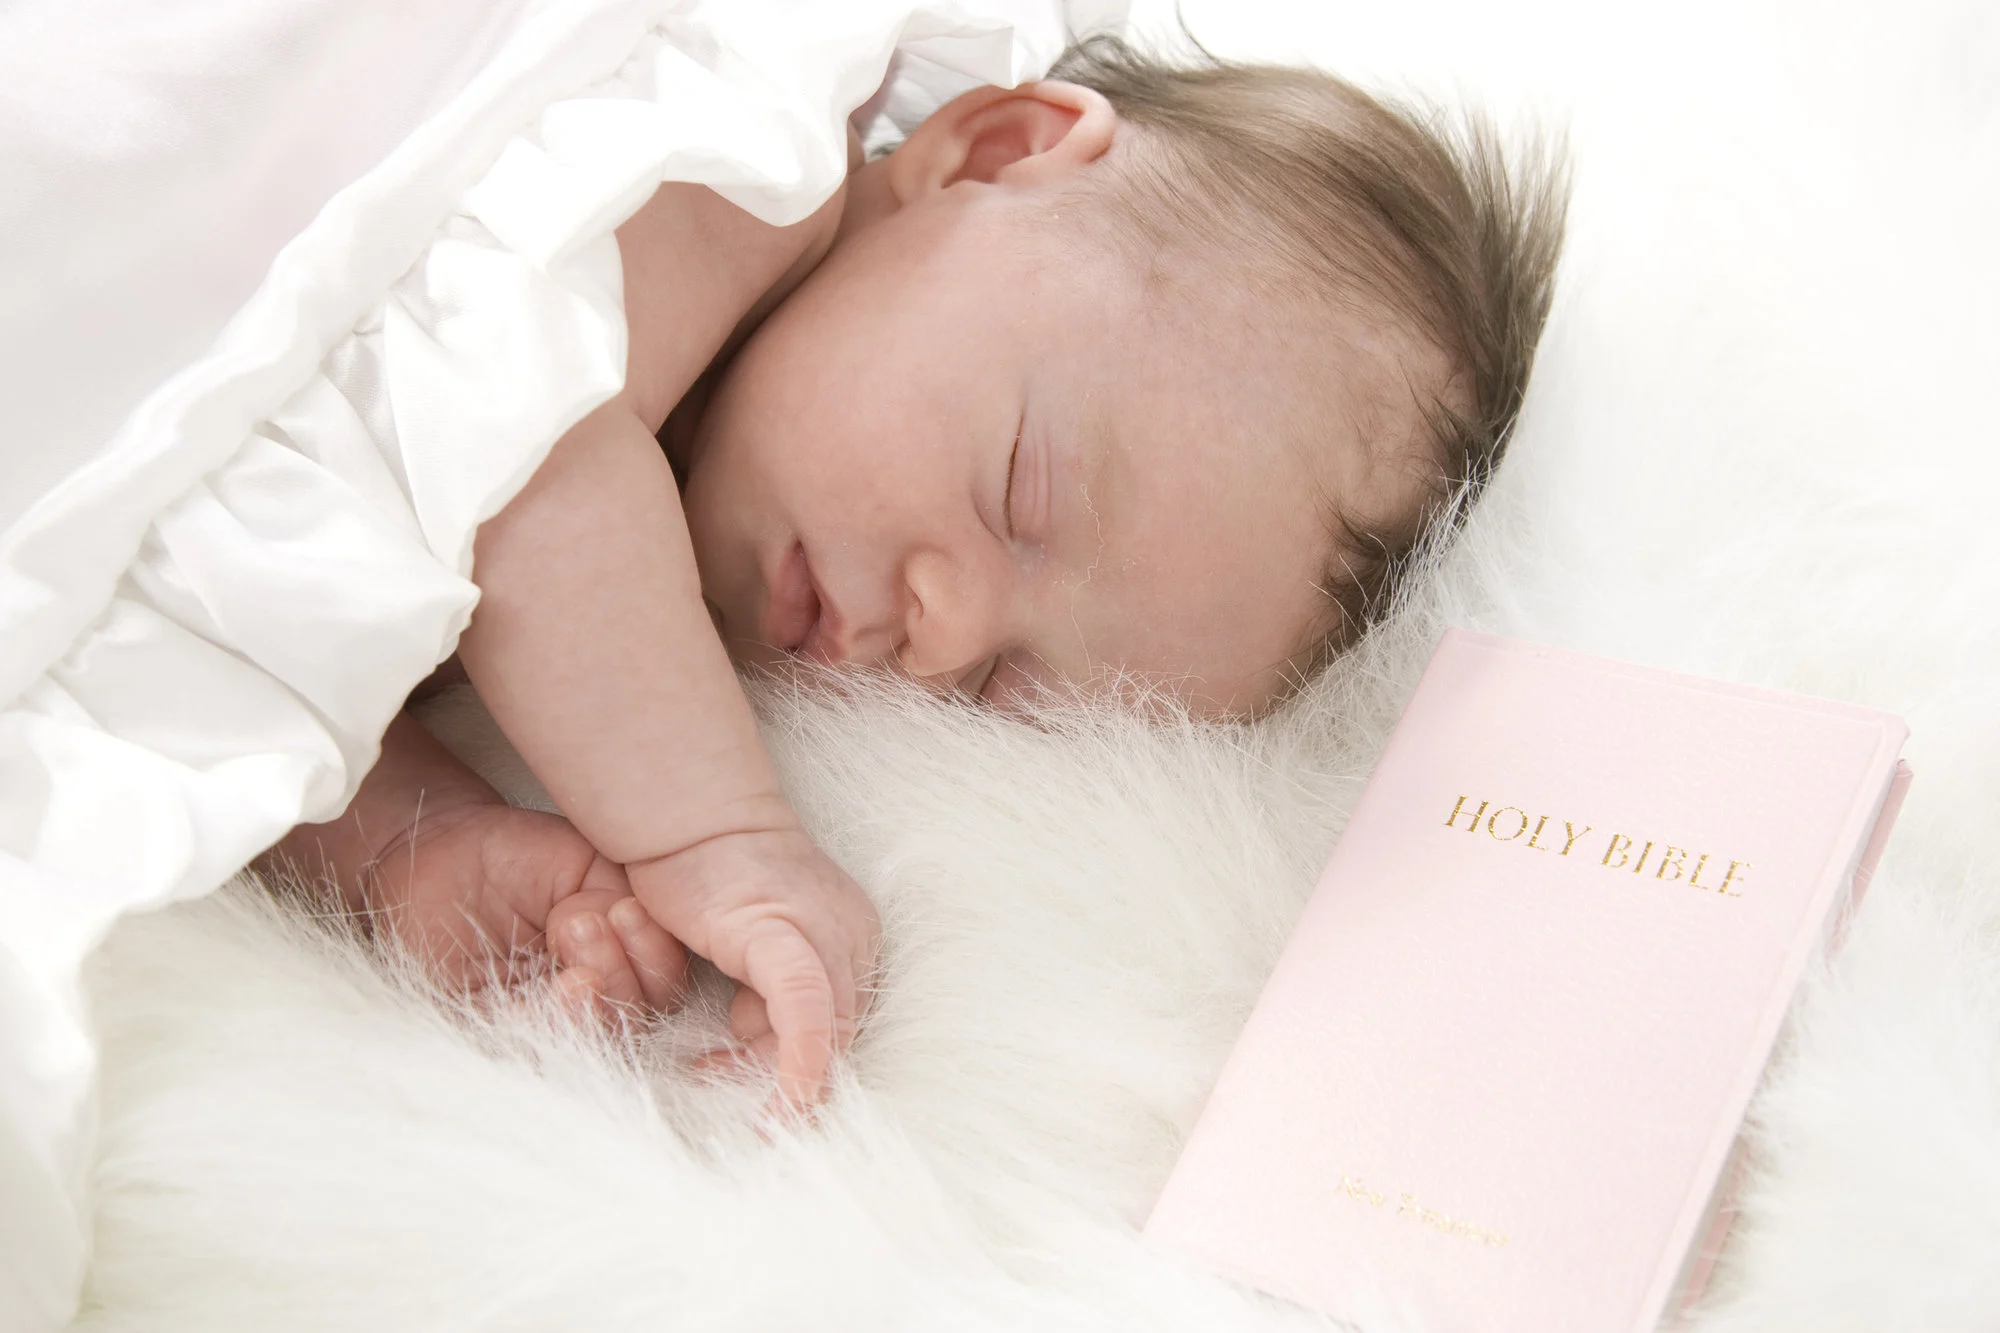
<point x="754" y="1059"/>
<point x="786" y="970"/>
<point x="867" y="981"/>
<point x="657" y="958"/>
<point x="846" y="1001"/>
<point x="576" y="992"/>
<point x="748" y="1018"/>
<point x="606" y="877"/>
<point x="586" y="940"/>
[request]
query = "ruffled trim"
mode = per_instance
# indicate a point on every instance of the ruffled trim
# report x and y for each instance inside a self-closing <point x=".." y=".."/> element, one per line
<point x="207" y="632"/>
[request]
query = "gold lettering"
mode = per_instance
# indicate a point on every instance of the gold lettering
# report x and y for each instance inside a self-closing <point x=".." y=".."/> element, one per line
<point x="1674" y="863"/>
<point x="1455" y="811"/>
<point x="1407" y="1206"/>
<point x="1613" y="846"/>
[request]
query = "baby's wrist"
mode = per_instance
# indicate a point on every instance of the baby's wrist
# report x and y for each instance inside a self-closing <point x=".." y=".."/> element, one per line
<point x="749" y="818"/>
<point x="416" y="788"/>
<point x="687" y="890"/>
<point x="376" y="885"/>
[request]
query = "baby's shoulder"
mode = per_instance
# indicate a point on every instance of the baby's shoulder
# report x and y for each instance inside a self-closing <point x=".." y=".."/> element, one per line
<point x="697" y="270"/>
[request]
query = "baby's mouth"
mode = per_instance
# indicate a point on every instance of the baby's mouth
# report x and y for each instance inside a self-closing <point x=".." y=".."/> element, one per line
<point x="793" y="613"/>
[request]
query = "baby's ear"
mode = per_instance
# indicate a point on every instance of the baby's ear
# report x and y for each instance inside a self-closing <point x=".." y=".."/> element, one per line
<point x="1032" y="134"/>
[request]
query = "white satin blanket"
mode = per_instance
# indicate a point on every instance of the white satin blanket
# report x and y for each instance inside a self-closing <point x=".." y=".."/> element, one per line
<point x="240" y="500"/>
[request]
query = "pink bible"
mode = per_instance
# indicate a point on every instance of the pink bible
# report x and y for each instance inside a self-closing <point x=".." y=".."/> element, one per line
<point x="1496" y="1079"/>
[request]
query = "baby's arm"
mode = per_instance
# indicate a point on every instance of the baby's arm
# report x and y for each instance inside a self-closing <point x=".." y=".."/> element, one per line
<point x="593" y="649"/>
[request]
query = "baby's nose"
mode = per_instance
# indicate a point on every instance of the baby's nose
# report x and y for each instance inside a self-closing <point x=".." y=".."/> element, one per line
<point x="950" y="622"/>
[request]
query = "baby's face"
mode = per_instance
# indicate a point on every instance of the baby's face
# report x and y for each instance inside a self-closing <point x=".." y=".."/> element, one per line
<point x="972" y="444"/>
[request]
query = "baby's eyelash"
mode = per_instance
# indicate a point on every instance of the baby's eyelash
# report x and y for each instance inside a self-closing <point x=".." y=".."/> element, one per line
<point x="1007" y="492"/>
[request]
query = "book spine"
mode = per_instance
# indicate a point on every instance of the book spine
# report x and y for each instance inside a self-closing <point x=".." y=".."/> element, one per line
<point x="1723" y="1205"/>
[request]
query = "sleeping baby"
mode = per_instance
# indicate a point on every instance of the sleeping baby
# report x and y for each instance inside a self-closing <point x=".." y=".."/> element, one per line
<point x="1144" y="372"/>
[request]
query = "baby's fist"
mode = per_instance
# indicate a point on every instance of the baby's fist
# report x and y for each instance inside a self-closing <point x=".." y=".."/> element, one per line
<point x="797" y="934"/>
<point x="476" y="888"/>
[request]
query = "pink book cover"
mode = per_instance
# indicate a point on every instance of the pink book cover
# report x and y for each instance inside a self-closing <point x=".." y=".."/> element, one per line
<point x="1497" y="1075"/>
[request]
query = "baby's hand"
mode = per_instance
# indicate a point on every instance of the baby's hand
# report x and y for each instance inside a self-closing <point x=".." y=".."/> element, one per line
<point x="774" y="912"/>
<point x="477" y="888"/>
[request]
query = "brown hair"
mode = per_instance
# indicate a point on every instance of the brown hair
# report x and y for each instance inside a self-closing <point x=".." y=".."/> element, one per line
<point x="1416" y="213"/>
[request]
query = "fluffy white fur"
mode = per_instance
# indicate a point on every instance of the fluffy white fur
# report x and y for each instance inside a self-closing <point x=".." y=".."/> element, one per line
<point x="1759" y="446"/>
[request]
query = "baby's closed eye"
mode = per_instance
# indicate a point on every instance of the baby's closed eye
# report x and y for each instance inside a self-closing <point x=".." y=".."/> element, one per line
<point x="1027" y="505"/>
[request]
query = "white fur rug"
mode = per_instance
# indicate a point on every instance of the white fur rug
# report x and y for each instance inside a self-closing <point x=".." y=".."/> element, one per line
<point x="1760" y="446"/>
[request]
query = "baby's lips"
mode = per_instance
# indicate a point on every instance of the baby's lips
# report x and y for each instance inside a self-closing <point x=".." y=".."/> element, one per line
<point x="793" y="608"/>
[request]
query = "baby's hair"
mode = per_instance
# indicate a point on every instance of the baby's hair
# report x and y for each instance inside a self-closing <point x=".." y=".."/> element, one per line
<point x="1404" y="210"/>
